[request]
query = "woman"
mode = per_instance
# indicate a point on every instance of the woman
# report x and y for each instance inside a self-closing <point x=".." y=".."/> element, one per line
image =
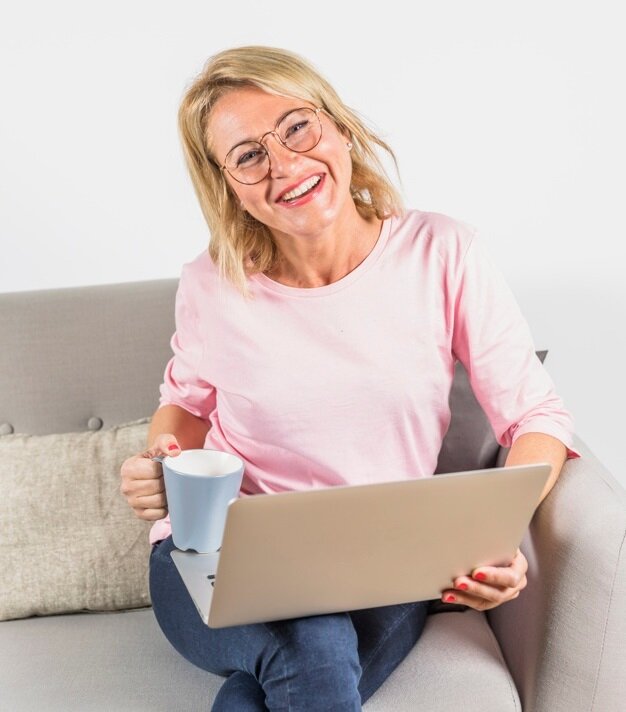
<point x="316" y="339"/>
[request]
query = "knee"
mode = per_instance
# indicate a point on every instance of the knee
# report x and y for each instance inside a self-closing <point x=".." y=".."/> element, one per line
<point x="317" y="657"/>
<point x="323" y="640"/>
<point x="239" y="692"/>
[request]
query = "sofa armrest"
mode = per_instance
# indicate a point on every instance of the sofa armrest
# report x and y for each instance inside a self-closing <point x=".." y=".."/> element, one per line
<point x="564" y="636"/>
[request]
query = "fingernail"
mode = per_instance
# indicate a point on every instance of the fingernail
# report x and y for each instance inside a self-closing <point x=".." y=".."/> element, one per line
<point x="462" y="586"/>
<point x="172" y="447"/>
<point x="449" y="598"/>
<point x="480" y="576"/>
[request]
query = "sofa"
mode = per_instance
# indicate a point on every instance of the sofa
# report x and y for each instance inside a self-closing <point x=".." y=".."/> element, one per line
<point x="78" y="633"/>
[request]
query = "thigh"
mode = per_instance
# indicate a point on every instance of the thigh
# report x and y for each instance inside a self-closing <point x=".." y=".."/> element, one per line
<point x="308" y="663"/>
<point x="219" y="650"/>
<point x="386" y="635"/>
<point x="382" y="636"/>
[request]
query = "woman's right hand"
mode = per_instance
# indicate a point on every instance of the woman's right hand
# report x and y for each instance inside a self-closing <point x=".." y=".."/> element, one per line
<point x="142" y="479"/>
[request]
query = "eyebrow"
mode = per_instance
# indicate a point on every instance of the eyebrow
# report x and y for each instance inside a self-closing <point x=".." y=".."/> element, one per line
<point x="278" y="120"/>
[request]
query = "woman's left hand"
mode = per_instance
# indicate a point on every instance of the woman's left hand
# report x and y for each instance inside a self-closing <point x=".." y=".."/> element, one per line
<point x="497" y="585"/>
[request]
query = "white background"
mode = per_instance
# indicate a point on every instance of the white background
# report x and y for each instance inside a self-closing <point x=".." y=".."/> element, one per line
<point x="506" y="115"/>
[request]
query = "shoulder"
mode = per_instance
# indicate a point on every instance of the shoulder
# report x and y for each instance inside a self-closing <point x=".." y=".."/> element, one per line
<point x="201" y="283"/>
<point x="444" y="231"/>
<point x="199" y="274"/>
<point x="199" y="266"/>
<point x="436" y="233"/>
<point x="196" y="276"/>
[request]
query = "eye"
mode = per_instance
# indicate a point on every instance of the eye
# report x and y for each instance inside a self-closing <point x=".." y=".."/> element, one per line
<point x="295" y="128"/>
<point x="248" y="157"/>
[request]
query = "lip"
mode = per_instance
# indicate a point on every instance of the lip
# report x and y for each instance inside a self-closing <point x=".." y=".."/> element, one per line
<point x="295" y="185"/>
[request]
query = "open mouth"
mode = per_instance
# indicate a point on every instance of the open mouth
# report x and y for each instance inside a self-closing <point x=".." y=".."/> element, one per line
<point x="308" y="187"/>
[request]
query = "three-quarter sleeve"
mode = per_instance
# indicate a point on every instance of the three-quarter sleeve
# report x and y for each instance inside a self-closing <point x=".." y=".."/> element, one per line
<point x="493" y="341"/>
<point x="182" y="384"/>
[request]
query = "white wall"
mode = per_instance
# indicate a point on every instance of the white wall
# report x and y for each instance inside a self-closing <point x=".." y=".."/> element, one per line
<point x="509" y="116"/>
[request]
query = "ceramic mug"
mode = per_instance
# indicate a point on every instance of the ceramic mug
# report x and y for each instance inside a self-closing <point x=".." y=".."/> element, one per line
<point x="199" y="485"/>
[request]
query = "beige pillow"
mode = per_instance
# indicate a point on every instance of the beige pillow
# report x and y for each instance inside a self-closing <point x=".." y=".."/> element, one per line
<point x="69" y="540"/>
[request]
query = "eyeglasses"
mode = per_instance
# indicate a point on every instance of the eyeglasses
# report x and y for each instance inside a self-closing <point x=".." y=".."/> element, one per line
<point x="300" y="130"/>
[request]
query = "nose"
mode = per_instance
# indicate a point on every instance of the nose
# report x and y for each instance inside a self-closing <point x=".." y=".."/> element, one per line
<point x="280" y="157"/>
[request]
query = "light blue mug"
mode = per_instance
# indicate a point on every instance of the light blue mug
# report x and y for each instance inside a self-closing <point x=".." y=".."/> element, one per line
<point x="199" y="485"/>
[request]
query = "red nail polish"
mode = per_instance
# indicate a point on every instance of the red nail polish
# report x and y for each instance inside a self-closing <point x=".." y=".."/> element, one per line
<point x="172" y="447"/>
<point x="449" y="598"/>
<point x="480" y="576"/>
<point x="462" y="586"/>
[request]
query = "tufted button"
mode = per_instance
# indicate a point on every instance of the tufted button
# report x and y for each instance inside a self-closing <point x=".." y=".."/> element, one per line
<point x="6" y="429"/>
<point x="94" y="423"/>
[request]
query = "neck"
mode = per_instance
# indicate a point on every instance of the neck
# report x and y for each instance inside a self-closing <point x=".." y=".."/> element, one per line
<point x="327" y="257"/>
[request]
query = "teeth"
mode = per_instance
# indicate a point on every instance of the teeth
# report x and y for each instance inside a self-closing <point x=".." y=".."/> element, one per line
<point x="302" y="188"/>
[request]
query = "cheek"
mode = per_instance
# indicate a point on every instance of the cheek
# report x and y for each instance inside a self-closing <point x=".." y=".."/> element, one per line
<point x="338" y="156"/>
<point x="253" y="202"/>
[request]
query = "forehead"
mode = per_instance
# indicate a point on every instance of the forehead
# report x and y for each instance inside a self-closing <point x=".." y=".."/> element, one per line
<point x="245" y="114"/>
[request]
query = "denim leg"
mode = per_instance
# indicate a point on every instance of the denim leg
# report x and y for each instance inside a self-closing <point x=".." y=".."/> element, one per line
<point x="303" y="664"/>
<point x="386" y="635"/>
<point x="320" y="665"/>
<point x="240" y="692"/>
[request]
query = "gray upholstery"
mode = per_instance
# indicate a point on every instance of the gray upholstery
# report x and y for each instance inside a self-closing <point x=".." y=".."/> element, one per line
<point x="72" y="356"/>
<point x="564" y="638"/>
<point x="82" y="352"/>
<point x="122" y="662"/>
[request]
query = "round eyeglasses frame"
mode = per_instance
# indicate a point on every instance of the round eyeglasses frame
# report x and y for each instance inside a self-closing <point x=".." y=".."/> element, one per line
<point x="282" y="143"/>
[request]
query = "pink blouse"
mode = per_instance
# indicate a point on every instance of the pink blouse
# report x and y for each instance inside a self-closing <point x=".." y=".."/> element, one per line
<point x="349" y="383"/>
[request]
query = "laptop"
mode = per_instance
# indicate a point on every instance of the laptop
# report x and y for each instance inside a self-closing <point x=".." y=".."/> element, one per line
<point x="344" y="548"/>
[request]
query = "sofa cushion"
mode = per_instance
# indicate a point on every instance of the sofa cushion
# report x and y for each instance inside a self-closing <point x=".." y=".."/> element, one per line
<point x="470" y="443"/>
<point x="70" y="540"/>
<point x="456" y="664"/>
<point x="121" y="661"/>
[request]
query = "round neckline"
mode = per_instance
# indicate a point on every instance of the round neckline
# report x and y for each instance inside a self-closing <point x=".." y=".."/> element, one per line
<point x="345" y="281"/>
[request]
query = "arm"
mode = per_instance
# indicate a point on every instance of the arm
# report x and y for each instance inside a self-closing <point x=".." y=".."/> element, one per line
<point x="527" y="448"/>
<point x="189" y="430"/>
<point x="183" y="416"/>
<point x="539" y="447"/>
<point x="492" y="339"/>
<point x="186" y="399"/>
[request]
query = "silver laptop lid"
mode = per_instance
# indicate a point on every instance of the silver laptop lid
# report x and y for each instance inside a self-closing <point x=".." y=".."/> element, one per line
<point x="344" y="548"/>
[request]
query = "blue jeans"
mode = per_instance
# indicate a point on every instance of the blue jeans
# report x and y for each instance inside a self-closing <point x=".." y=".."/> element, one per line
<point x="326" y="662"/>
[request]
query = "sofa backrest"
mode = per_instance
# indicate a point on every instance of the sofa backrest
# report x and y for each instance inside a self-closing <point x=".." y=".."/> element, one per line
<point x="81" y="358"/>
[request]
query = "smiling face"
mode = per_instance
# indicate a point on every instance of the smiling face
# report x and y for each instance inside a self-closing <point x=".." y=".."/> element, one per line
<point x="248" y="113"/>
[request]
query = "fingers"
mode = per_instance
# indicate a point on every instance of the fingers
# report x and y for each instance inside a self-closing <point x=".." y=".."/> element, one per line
<point x="151" y="501"/>
<point x="145" y="494"/>
<point x="142" y="466"/>
<point x="474" y="590"/>
<point x="504" y="576"/>
<point x="165" y="444"/>
<point x="481" y="597"/>
<point x="138" y="468"/>
<point x="478" y="603"/>
<point x="149" y="515"/>
<point x="144" y="487"/>
<point x="490" y="586"/>
<point x="142" y="480"/>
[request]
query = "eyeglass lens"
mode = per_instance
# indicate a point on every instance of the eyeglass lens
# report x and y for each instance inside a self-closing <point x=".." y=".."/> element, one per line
<point x="300" y="131"/>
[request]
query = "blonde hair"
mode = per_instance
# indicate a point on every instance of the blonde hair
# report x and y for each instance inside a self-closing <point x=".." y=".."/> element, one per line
<point x="240" y="245"/>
